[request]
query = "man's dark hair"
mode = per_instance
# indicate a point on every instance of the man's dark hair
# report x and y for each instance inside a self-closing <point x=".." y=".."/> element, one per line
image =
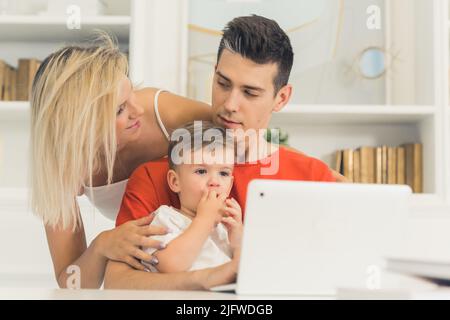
<point x="262" y="41"/>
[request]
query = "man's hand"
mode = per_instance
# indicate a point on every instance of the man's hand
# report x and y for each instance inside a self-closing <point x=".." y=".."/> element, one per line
<point x="233" y="223"/>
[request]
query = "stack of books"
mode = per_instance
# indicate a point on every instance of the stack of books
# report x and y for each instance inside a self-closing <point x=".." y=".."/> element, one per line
<point x="15" y="84"/>
<point x="383" y="165"/>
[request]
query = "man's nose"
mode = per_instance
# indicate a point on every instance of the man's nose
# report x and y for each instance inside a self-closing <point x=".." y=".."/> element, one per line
<point x="232" y="102"/>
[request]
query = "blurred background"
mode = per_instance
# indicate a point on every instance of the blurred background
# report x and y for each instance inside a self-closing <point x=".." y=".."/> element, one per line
<point x="370" y="98"/>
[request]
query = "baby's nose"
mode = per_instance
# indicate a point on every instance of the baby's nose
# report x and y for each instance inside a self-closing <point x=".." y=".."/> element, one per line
<point x="213" y="183"/>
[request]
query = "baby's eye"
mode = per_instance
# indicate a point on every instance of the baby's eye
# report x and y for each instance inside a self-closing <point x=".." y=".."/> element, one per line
<point x="200" y="171"/>
<point x="224" y="173"/>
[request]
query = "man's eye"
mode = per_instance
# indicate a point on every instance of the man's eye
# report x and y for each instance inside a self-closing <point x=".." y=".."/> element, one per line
<point x="200" y="171"/>
<point x="250" y="94"/>
<point x="223" y="84"/>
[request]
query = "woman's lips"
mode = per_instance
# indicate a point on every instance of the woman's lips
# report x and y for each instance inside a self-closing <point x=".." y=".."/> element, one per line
<point x="137" y="124"/>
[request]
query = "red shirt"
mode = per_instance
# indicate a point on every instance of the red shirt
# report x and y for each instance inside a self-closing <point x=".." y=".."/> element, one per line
<point x="147" y="188"/>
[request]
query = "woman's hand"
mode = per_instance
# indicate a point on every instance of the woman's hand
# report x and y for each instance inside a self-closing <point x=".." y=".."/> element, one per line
<point x="124" y="243"/>
<point x="233" y="223"/>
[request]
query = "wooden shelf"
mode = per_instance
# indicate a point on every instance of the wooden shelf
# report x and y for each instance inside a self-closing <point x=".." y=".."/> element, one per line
<point x="54" y="29"/>
<point x="352" y="114"/>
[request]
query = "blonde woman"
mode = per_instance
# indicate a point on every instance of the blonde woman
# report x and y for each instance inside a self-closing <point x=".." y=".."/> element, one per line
<point x="90" y="130"/>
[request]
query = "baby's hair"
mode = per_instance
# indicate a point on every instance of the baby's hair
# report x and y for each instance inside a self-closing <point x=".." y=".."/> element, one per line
<point x="198" y="133"/>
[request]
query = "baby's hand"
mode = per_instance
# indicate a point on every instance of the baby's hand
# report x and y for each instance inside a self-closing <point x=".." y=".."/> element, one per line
<point x="233" y="223"/>
<point x="211" y="207"/>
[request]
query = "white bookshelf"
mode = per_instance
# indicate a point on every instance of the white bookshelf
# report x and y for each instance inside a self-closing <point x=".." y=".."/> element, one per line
<point x="45" y="29"/>
<point x="352" y="114"/>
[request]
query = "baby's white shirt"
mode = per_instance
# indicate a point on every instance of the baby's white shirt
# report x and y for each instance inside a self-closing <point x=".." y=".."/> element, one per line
<point x="216" y="249"/>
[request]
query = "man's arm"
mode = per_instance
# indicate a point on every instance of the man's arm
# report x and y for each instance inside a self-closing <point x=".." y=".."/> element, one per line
<point x="121" y="276"/>
<point x="336" y="175"/>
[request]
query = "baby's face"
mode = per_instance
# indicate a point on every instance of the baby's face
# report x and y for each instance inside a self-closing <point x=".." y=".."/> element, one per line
<point x="195" y="179"/>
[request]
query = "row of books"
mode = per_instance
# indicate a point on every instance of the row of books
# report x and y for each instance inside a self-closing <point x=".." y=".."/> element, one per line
<point x="383" y="165"/>
<point x="15" y="83"/>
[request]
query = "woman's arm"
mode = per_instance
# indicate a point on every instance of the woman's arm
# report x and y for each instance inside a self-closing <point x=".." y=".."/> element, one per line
<point x="69" y="248"/>
<point x="176" y="110"/>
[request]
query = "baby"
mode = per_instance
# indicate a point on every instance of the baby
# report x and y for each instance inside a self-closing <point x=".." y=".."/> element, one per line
<point x="207" y="229"/>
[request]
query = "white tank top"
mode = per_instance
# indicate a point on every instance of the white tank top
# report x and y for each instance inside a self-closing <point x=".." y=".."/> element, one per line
<point x="107" y="199"/>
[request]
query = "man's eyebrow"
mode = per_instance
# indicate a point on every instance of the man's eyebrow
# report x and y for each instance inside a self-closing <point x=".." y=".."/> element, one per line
<point x="244" y="86"/>
<point x="222" y="76"/>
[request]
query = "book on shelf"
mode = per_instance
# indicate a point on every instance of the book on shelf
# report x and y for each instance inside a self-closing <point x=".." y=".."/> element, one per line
<point x="401" y="173"/>
<point x="8" y="76"/>
<point x="338" y="162"/>
<point x="356" y="166"/>
<point x="347" y="156"/>
<point x="391" y="165"/>
<point x="378" y="166"/>
<point x="15" y="84"/>
<point x="26" y="72"/>
<point x="367" y="164"/>
<point x="413" y="155"/>
<point x="383" y="165"/>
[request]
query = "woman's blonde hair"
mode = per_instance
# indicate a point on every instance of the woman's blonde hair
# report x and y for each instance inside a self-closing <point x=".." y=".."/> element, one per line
<point x="73" y="110"/>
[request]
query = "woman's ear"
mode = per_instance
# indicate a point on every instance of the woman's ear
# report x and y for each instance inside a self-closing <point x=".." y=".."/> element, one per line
<point x="173" y="181"/>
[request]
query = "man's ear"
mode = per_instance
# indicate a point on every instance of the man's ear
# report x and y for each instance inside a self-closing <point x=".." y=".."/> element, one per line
<point x="283" y="97"/>
<point x="173" y="181"/>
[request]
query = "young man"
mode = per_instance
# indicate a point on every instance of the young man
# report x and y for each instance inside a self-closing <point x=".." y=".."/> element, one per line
<point x="251" y="81"/>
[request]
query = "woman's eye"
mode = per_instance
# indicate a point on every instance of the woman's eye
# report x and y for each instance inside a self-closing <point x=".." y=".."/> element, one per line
<point x="224" y="174"/>
<point x="121" y="108"/>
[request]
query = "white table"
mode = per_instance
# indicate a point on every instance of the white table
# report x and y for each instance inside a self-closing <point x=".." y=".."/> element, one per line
<point x="88" y="294"/>
<point x="91" y="294"/>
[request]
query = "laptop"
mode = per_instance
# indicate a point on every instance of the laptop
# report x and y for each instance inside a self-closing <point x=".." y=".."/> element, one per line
<point x="311" y="238"/>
